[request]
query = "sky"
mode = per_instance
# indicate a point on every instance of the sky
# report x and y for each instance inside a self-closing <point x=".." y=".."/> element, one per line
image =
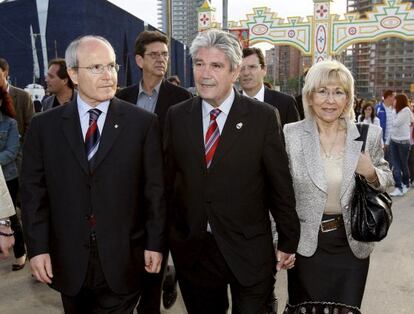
<point x="237" y="9"/>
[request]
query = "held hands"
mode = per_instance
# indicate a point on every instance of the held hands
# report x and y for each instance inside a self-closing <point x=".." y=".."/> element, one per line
<point x="41" y="267"/>
<point x="366" y="168"/>
<point x="284" y="260"/>
<point x="152" y="261"/>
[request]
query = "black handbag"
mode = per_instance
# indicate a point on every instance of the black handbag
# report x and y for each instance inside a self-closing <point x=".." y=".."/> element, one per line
<point x="371" y="214"/>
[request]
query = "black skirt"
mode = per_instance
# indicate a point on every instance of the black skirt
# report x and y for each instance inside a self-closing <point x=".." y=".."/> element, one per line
<point x="333" y="274"/>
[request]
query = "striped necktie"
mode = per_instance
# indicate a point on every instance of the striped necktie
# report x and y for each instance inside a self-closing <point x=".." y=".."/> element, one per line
<point x="92" y="136"/>
<point x="212" y="136"/>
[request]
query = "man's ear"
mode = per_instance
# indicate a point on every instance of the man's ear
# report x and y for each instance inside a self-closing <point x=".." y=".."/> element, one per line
<point x="73" y="74"/>
<point x="139" y="61"/>
<point x="236" y="73"/>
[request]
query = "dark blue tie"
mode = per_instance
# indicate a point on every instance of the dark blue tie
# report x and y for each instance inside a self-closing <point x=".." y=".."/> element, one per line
<point x="92" y="136"/>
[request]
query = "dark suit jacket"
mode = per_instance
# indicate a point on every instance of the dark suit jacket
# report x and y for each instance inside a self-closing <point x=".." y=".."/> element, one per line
<point x="284" y="103"/>
<point x="24" y="107"/>
<point x="169" y="95"/>
<point x="231" y="194"/>
<point x="125" y="193"/>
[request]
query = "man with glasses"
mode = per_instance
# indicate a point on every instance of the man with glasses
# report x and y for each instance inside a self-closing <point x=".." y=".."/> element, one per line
<point x="155" y="94"/>
<point x="92" y="190"/>
<point x="252" y="74"/>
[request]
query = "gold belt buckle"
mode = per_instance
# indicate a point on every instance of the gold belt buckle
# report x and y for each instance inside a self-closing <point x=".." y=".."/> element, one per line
<point x="327" y="229"/>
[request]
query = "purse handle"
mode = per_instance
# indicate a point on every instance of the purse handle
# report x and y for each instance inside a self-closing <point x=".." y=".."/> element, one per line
<point x="363" y="131"/>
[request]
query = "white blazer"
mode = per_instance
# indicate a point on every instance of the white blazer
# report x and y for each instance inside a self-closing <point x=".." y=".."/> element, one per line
<point x="310" y="185"/>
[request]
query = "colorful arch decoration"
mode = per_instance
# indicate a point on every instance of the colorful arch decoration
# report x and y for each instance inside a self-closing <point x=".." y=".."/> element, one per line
<point x="325" y="35"/>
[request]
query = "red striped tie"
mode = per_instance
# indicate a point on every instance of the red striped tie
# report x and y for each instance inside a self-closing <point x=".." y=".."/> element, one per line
<point x="92" y="136"/>
<point x="212" y="137"/>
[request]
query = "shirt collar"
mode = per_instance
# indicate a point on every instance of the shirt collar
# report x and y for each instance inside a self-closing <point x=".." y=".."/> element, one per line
<point x="83" y="107"/>
<point x="259" y="95"/>
<point x="155" y="90"/>
<point x="224" y="107"/>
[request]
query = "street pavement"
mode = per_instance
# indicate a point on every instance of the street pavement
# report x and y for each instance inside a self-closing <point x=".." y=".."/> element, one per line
<point x="390" y="286"/>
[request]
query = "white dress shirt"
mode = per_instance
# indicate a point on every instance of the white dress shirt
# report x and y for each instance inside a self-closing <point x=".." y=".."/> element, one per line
<point x="259" y="96"/>
<point x="83" y="109"/>
<point x="221" y="118"/>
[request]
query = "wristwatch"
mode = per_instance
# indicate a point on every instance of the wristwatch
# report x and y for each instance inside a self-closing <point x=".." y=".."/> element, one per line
<point x="5" y="222"/>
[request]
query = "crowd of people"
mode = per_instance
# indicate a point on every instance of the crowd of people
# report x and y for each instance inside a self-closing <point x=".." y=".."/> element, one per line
<point x="236" y="184"/>
<point x="395" y="115"/>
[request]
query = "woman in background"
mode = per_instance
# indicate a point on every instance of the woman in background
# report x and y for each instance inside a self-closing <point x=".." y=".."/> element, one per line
<point x="9" y="147"/>
<point x="400" y="145"/>
<point x="368" y="113"/>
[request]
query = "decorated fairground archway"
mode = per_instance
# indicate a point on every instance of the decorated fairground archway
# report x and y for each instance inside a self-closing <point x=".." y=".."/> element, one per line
<point x="323" y="35"/>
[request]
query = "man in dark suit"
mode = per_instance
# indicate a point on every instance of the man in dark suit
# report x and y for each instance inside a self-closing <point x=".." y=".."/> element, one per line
<point x="92" y="190"/>
<point x="221" y="148"/>
<point x="252" y="74"/>
<point x="155" y="94"/>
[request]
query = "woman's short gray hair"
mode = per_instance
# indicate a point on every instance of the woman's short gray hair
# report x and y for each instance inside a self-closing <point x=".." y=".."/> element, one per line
<point x="226" y="42"/>
<point x="322" y="74"/>
<point x="71" y="53"/>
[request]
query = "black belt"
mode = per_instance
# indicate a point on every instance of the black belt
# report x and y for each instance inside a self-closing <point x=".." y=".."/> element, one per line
<point x="332" y="224"/>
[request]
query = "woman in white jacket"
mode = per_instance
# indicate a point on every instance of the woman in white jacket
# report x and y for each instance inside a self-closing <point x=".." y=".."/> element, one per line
<point x="400" y="144"/>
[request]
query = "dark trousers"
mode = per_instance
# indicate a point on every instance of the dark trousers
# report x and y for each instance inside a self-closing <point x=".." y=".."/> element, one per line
<point x="150" y="301"/>
<point x="204" y="287"/>
<point x="95" y="295"/>
<point x="18" y="249"/>
<point x="400" y="153"/>
<point x="411" y="163"/>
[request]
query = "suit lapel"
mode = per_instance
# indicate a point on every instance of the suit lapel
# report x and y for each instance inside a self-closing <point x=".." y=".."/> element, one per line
<point x="195" y="128"/>
<point x="352" y="152"/>
<point x="13" y="94"/>
<point x="312" y="155"/>
<point x="162" y="99"/>
<point x="229" y="134"/>
<point x="73" y="133"/>
<point x="267" y="97"/>
<point x="112" y="128"/>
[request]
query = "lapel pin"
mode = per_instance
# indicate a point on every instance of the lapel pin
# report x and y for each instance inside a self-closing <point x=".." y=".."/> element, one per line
<point x="239" y="125"/>
<point x="116" y="126"/>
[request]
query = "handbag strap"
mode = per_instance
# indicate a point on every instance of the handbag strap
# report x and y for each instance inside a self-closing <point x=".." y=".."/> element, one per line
<point x="363" y="131"/>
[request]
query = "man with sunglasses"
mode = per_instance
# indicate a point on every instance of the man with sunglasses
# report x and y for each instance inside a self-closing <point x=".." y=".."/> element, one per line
<point x="92" y="190"/>
<point x="155" y="94"/>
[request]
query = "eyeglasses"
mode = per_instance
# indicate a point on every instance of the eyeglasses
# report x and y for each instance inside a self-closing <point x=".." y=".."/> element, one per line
<point x="250" y="67"/>
<point x="156" y="54"/>
<point x="336" y="94"/>
<point x="100" y="68"/>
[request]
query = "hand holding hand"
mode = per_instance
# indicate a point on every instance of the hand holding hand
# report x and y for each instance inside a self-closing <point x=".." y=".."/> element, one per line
<point x="41" y="267"/>
<point x="284" y="260"/>
<point x="152" y="261"/>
